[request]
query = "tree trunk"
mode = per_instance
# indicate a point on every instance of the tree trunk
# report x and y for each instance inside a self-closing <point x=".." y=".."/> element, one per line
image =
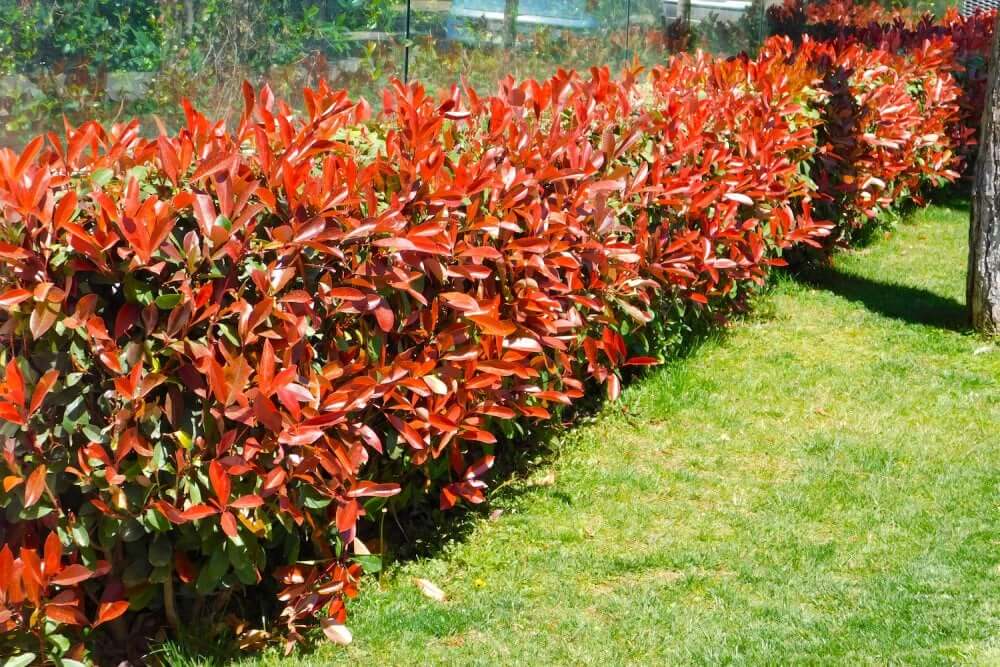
<point x="684" y="11"/>
<point x="188" y="17"/>
<point x="510" y="23"/>
<point x="983" y="293"/>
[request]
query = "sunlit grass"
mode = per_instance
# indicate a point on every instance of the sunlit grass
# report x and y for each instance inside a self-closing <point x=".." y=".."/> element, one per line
<point x="819" y="486"/>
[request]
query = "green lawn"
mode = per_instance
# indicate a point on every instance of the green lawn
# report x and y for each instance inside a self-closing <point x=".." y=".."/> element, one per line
<point x="818" y="486"/>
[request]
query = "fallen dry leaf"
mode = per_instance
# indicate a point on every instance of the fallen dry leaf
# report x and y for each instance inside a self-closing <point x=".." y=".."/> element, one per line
<point x="360" y="549"/>
<point x="255" y="640"/>
<point x="336" y="632"/>
<point x="546" y="480"/>
<point x="430" y="590"/>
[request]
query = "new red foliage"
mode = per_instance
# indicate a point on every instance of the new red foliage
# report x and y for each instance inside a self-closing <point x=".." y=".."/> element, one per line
<point x="889" y="128"/>
<point x="967" y="39"/>
<point x="240" y="342"/>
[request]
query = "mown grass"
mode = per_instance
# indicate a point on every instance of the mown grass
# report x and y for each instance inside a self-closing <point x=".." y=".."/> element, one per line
<point x="820" y="487"/>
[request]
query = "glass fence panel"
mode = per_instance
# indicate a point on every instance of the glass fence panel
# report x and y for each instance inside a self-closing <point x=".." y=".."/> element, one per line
<point x="481" y="41"/>
<point x="115" y="59"/>
<point x="728" y="27"/>
<point x="655" y="31"/>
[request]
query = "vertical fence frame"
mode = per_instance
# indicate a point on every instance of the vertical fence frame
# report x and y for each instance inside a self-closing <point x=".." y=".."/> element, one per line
<point x="628" y="30"/>
<point x="406" y="46"/>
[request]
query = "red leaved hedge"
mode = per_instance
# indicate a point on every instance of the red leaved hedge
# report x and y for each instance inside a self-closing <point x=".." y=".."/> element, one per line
<point x="889" y="130"/>
<point x="901" y="31"/>
<point x="223" y="347"/>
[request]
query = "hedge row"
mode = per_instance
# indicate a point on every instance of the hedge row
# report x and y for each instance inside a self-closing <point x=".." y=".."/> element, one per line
<point x="223" y="347"/>
<point x="900" y="31"/>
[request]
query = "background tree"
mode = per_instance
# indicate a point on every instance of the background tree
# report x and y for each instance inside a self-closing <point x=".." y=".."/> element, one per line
<point x="984" y="233"/>
<point x="510" y="23"/>
<point x="684" y="11"/>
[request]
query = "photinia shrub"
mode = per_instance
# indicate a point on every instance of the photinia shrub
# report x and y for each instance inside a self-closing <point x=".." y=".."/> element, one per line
<point x="900" y="31"/>
<point x="888" y="130"/>
<point x="225" y="347"/>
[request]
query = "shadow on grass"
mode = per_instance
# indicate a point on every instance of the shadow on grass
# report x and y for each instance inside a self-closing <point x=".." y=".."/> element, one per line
<point x="957" y="196"/>
<point x="913" y="305"/>
<point x="906" y="303"/>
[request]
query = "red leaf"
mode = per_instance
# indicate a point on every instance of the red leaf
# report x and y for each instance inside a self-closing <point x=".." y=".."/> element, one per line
<point x="71" y="575"/>
<point x="479" y="435"/>
<point x="274" y="480"/>
<point x="492" y="326"/>
<point x="480" y="467"/>
<point x="247" y="502"/>
<point x="266" y="413"/>
<point x="217" y="380"/>
<point x="13" y="297"/>
<point x="407" y="431"/>
<point x="15" y="383"/>
<point x="32" y="571"/>
<point x="35" y="486"/>
<point x="168" y="158"/>
<point x="385" y="318"/>
<point x="221" y="483"/>
<point x="68" y="614"/>
<point x="52" y="553"/>
<point x="127" y="385"/>
<point x="8" y="412"/>
<point x="367" y="488"/>
<point x="448" y="498"/>
<point x="186" y="571"/>
<point x="11" y="482"/>
<point x="196" y="512"/>
<point x="229" y="526"/>
<point x="109" y="611"/>
<point x="460" y="301"/>
<point x="29" y="154"/>
<point x="132" y="441"/>
<point x="204" y="212"/>
<point x="347" y="516"/>
<point x="109" y="356"/>
<point x="64" y="209"/>
<point x="215" y="165"/>
<point x="12" y="252"/>
<point x="43" y="316"/>
<point x="347" y="294"/>
<point x="42" y="389"/>
<point x="642" y="361"/>
<point x="524" y="344"/>
<point x="172" y="514"/>
<point x="126" y="318"/>
<point x="557" y="396"/>
<point x="470" y="491"/>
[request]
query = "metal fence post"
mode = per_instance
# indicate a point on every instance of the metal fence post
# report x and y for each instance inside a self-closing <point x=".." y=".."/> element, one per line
<point x="628" y="30"/>
<point x="406" y="49"/>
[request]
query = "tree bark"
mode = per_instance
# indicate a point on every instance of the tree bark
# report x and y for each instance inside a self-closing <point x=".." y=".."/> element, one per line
<point x="684" y="11"/>
<point x="983" y="289"/>
<point x="510" y="23"/>
<point x="188" y="17"/>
